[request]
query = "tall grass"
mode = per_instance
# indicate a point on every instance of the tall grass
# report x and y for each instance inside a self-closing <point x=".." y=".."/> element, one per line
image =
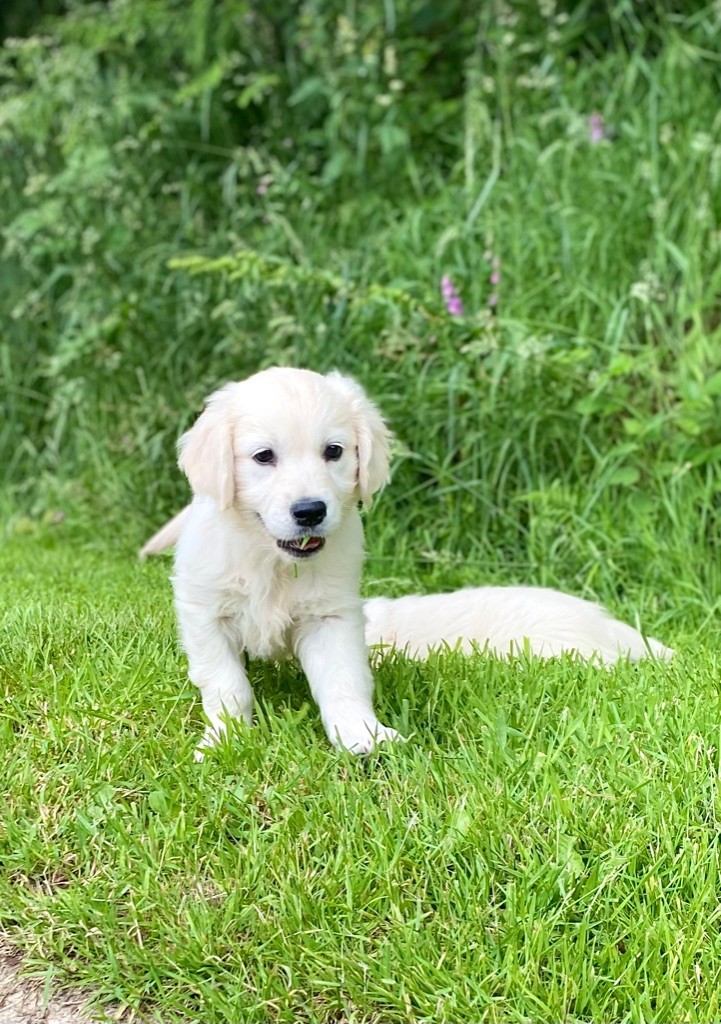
<point x="597" y="374"/>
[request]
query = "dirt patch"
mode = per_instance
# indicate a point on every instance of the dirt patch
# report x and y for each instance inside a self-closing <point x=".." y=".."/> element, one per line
<point x="25" y="1001"/>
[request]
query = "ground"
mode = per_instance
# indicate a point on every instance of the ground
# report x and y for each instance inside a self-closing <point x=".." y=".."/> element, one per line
<point x="26" y="1001"/>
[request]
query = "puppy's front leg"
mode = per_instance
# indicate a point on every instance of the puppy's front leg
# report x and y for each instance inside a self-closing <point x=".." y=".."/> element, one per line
<point x="333" y="654"/>
<point x="214" y="667"/>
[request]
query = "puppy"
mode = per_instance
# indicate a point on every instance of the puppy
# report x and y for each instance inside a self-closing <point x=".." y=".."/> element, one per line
<point x="269" y="553"/>
<point x="269" y="557"/>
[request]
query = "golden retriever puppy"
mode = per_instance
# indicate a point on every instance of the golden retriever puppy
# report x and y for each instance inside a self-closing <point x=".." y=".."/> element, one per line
<point x="269" y="553"/>
<point x="269" y="557"/>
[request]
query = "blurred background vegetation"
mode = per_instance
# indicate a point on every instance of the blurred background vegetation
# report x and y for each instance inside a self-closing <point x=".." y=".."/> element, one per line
<point x="190" y="191"/>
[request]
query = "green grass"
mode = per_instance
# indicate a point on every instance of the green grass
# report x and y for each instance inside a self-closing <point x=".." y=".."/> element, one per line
<point x="545" y="847"/>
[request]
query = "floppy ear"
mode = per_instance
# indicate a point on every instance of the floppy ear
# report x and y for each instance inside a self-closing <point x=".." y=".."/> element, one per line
<point x="373" y="438"/>
<point x="206" y="451"/>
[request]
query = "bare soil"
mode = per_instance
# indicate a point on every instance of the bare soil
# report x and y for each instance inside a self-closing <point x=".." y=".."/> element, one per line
<point x="25" y="1000"/>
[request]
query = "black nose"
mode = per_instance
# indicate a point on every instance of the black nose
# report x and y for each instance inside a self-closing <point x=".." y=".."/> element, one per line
<point x="308" y="511"/>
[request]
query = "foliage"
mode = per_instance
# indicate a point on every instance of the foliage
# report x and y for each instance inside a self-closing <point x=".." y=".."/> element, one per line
<point x="325" y="170"/>
<point x="379" y="151"/>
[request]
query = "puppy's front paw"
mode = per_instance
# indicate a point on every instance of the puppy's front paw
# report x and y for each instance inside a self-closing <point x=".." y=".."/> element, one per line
<point x="211" y="738"/>
<point x="360" y="737"/>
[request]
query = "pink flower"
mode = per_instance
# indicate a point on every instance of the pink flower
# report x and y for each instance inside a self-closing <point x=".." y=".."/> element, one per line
<point x="451" y="298"/>
<point x="596" y="128"/>
<point x="262" y="188"/>
<point x="494" y="279"/>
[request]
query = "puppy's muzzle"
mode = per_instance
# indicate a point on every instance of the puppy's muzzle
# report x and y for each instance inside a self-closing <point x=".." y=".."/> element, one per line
<point x="308" y="511"/>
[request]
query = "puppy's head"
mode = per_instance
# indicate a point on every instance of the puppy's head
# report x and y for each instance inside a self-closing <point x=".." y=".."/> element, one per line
<point x="293" y="448"/>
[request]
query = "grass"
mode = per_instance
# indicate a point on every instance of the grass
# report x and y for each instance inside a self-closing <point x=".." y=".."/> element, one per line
<point x="543" y="848"/>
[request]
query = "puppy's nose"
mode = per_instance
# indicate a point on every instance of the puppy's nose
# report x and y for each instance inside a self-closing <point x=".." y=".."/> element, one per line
<point x="308" y="511"/>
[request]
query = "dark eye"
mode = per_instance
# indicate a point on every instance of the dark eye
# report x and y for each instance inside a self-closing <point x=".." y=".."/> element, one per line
<point x="265" y="457"/>
<point x="332" y="452"/>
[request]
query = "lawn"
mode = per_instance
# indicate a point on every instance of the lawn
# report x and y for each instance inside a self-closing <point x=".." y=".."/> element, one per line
<point x="545" y="847"/>
<point x="188" y="196"/>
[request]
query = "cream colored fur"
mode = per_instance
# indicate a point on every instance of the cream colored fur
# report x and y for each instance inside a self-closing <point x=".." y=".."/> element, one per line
<point x="506" y="621"/>
<point x="236" y="590"/>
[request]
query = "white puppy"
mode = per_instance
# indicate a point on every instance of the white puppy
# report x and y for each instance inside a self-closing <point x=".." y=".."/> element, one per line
<point x="269" y="553"/>
<point x="269" y="558"/>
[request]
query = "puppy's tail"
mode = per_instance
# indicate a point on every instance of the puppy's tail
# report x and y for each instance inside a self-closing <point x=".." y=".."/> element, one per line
<point x="167" y="535"/>
<point x="621" y="640"/>
<point x="658" y="650"/>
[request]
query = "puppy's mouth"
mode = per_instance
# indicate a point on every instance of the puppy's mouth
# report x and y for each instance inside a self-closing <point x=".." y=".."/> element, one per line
<point x="302" y="547"/>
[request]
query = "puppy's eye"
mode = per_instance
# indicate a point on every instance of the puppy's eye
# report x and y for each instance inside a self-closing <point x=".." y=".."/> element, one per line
<point x="332" y="452"/>
<point x="265" y="457"/>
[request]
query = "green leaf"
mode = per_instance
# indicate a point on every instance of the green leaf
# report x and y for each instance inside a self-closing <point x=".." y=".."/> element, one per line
<point x="257" y="90"/>
<point x="158" y="800"/>
<point x="623" y="475"/>
<point x="308" y="89"/>
<point x="208" y="79"/>
<point x="621" y="364"/>
<point x="391" y="137"/>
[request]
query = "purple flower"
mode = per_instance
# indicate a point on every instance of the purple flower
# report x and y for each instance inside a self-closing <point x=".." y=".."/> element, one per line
<point x="451" y="298"/>
<point x="596" y="128"/>
<point x="494" y="279"/>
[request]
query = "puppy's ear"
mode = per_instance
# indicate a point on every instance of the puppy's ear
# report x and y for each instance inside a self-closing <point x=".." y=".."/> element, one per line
<point x="206" y="451"/>
<point x="372" y="438"/>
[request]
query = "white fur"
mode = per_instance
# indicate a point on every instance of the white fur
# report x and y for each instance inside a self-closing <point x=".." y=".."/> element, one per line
<point x="167" y="536"/>
<point x="235" y="588"/>
<point x="506" y="621"/>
